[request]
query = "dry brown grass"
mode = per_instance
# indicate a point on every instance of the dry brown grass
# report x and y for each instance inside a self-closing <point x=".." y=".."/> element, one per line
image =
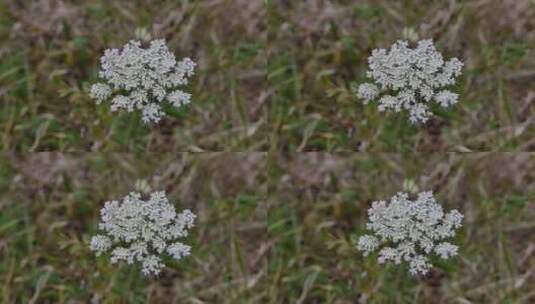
<point x="50" y="209"/>
<point x="324" y="45"/>
<point x="319" y="200"/>
<point x="55" y="46"/>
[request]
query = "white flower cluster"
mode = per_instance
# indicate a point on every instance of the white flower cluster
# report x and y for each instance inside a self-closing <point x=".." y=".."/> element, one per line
<point x="139" y="78"/>
<point x="410" y="231"/>
<point x="141" y="231"/>
<point x="410" y="79"/>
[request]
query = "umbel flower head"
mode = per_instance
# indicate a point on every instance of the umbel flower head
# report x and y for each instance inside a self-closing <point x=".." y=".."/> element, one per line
<point x="410" y="79"/>
<point x="137" y="230"/>
<point x="410" y="231"/>
<point x="143" y="78"/>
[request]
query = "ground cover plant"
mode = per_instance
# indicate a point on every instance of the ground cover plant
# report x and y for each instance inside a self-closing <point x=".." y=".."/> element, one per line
<point x="267" y="151"/>
<point x="318" y="210"/>
<point x="146" y="76"/>
<point x="277" y="75"/>
<point x="50" y="55"/>
<point x="405" y="230"/>
<point x="142" y="230"/>
<point x="270" y="228"/>
<point x="317" y="56"/>
<point x="414" y="77"/>
<point x="50" y="209"/>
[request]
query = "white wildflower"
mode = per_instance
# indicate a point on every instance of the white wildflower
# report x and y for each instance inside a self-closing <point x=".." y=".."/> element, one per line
<point x="179" y="98"/>
<point x="368" y="243"/>
<point x="178" y="250"/>
<point x="143" y="78"/>
<point x="446" y="250"/>
<point x="138" y="230"/>
<point x="410" y="231"/>
<point x="446" y="98"/>
<point x="100" y="244"/>
<point x="121" y="102"/>
<point x="419" y="264"/>
<point x="367" y="91"/>
<point x="100" y="92"/>
<point x="151" y="265"/>
<point x="410" y="79"/>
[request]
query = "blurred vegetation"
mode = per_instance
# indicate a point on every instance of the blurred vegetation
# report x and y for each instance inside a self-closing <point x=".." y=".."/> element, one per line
<point x="50" y="54"/>
<point x="49" y="209"/>
<point x="271" y="228"/>
<point x="317" y="50"/>
<point x="273" y="76"/>
<point x="318" y="204"/>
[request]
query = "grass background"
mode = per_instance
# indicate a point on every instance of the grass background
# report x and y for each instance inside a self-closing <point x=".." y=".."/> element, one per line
<point x="271" y="228"/>
<point x="272" y="75"/>
<point x="317" y="210"/>
<point x="50" y="54"/>
<point x="49" y="209"/>
<point x="318" y="50"/>
<point x="276" y="76"/>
